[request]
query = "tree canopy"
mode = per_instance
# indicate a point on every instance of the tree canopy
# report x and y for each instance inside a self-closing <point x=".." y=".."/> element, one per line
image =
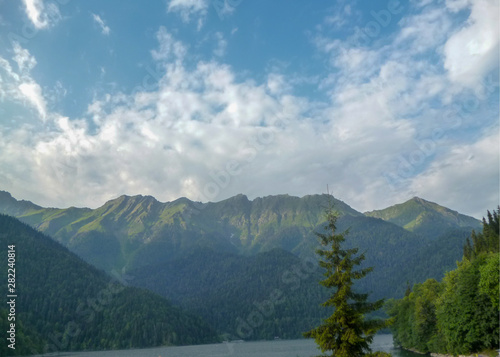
<point x="346" y="333"/>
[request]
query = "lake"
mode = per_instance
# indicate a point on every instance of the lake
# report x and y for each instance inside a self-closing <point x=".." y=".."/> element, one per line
<point x="279" y="348"/>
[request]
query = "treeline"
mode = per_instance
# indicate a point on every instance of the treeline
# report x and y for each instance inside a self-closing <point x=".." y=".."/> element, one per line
<point x="459" y="315"/>
<point x="64" y="304"/>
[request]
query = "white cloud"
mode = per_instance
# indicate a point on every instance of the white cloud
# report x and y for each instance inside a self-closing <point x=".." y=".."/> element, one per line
<point x="466" y="177"/>
<point x="424" y="31"/>
<point x="18" y="86"/>
<point x="189" y="8"/>
<point x="457" y="5"/>
<point x="99" y="21"/>
<point x="40" y="15"/>
<point x="23" y="58"/>
<point x="169" y="47"/>
<point x="208" y="133"/>
<point x="33" y="93"/>
<point x="389" y="99"/>
<point x="422" y="3"/>
<point x="277" y="84"/>
<point x="56" y="93"/>
<point x="473" y="51"/>
<point x="220" y="50"/>
<point x="341" y="14"/>
<point x="224" y="8"/>
<point x="10" y="74"/>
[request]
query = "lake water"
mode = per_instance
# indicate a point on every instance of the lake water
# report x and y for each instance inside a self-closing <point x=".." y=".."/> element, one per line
<point x="279" y="348"/>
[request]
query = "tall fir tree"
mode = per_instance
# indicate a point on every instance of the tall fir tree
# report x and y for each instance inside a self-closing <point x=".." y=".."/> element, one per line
<point x="346" y="333"/>
<point x="486" y="241"/>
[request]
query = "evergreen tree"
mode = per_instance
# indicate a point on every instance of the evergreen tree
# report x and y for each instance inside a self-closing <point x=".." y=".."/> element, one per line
<point x="346" y="333"/>
<point x="486" y="241"/>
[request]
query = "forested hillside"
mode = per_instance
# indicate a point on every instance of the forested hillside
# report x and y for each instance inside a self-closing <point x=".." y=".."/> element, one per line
<point x="460" y="314"/>
<point x="224" y="287"/>
<point x="272" y="294"/>
<point x="131" y="232"/>
<point x="65" y="304"/>
<point x="245" y="247"/>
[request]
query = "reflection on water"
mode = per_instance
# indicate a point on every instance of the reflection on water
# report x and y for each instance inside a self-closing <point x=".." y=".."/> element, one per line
<point x="280" y="348"/>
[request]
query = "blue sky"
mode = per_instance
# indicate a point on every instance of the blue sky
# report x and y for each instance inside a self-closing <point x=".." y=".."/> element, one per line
<point x="381" y="100"/>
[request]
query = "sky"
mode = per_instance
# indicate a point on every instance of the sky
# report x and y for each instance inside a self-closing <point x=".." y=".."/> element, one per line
<point x="205" y="99"/>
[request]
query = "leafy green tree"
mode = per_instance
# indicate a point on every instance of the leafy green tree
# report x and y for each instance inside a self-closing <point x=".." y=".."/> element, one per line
<point x="346" y="333"/>
<point x="459" y="315"/>
<point x="467" y="319"/>
<point x="488" y="283"/>
<point x="415" y="316"/>
<point x="425" y="312"/>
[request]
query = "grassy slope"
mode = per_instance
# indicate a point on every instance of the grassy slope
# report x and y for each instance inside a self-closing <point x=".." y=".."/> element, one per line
<point x="426" y="218"/>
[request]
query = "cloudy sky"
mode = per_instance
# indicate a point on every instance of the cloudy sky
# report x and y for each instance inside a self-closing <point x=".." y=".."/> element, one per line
<point x="381" y="100"/>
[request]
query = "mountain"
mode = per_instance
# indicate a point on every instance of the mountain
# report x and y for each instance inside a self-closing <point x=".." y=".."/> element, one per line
<point x="425" y="218"/>
<point x="257" y="297"/>
<point x="216" y="258"/>
<point x="63" y="303"/>
<point x="130" y="231"/>
<point x="9" y="205"/>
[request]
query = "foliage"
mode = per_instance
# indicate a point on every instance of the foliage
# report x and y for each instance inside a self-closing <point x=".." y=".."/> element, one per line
<point x="467" y="319"/>
<point x="235" y="293"/>
<point x="415" y="321"/>
<point x="26" y="340"/>
<point x="488" y="282"/>
<point x="346" y="333"/>
<point x="485" y="241"/>
<point x="65" y="304"/>
<point x="460" y="315"/>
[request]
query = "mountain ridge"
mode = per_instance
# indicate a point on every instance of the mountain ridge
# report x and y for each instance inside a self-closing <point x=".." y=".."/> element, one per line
<point x="200" y="206"/>
<point x="131" y="228"/>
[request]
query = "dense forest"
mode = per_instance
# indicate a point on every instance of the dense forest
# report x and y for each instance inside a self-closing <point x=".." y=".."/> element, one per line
<point x="65" y="304"/>
<point x="224" y="287"/>
<point x="460" y="314"/>
<point x="272" y="294"/>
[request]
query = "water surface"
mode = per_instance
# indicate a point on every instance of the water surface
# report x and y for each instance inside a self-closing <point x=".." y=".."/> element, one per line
<point x="279" y="348"/>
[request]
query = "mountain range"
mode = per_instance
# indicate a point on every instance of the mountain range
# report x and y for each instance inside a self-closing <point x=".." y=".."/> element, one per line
<point x="220" y="260"/>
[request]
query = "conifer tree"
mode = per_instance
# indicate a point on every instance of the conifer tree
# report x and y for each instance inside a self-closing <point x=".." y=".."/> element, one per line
<point x="346" y="333"/>
<point x="485" y="241"/>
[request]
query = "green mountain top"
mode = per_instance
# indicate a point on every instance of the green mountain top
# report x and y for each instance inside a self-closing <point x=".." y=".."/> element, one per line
<point x="425" y="218"/>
